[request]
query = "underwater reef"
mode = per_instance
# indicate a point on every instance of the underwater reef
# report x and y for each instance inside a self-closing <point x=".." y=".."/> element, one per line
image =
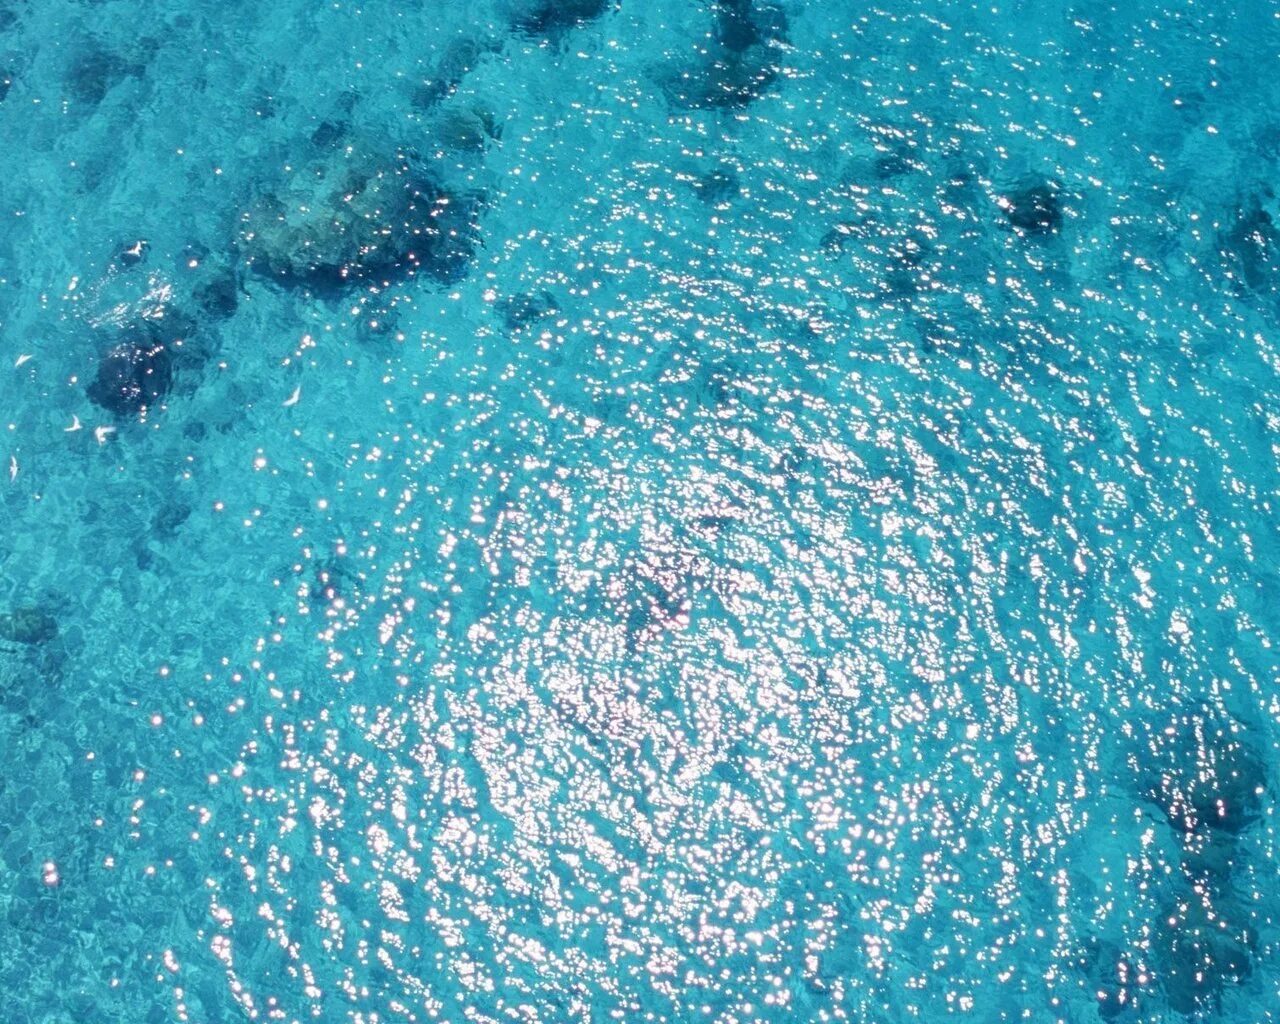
<point x="1250" y="242"/>
<point x="739" y="59"/>
<point x="96" y="70"/>
<point x="548" y="17"/>
<point x="356" y="215"/>
<point x="1210" y="786"/>
<point x="460" y="57"/>
<point x="1034" y="207"/>
<point x="521" y="310"/>
<point x="134" y="375"/>
<point x="29" y="625"/>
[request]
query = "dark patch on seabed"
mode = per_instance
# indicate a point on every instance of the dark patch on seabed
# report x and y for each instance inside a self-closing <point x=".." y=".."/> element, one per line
<point x="135" y="374"/>
<point x="547" y="17"/>
<point x="740" y="60"/>
<point x="360" y="214"/>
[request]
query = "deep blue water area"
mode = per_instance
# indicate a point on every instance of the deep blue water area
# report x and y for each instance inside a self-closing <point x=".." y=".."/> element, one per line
<point x="725" y="511"/>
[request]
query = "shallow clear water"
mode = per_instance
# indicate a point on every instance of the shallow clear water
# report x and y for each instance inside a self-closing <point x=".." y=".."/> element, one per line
<point x="800" y="546"/>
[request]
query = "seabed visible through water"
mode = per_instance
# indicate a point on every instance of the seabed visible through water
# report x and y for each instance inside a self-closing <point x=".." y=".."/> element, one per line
<point x="734" y="511"/>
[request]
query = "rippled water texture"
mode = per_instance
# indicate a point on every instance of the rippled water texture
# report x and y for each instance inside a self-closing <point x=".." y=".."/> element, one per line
<point x="596" y="510"/>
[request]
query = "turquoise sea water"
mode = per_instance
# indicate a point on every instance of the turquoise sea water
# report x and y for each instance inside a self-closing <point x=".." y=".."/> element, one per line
<point x="657" y="511"/>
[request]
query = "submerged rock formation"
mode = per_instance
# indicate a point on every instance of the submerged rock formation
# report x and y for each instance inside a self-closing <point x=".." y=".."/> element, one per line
<point x="1251" y="244"/>
<point x="1215" y="783"/>
<point x="28" y="625"/>
<point x="548" y="17"/>
<point x="467" y="129"/>
<point x="218" y="297"/>
<point x="351" y="216"/>
<point x="209" y="287"/>
<point x="740" y="59"/>
<point x="520" y="310"/>
<point x="134" y="375"/>
<point x="1034" y="207"/>
<point x="1211" y="784"/>
<point x="1201" y="954"/>
<point x="718" y="187"/>
<point x="742" y="25"/>
<point x="460" y="57"/>
<point x="169" y="517"/>
<point x="95" y="72"/>
<point x="1119" y="978"/>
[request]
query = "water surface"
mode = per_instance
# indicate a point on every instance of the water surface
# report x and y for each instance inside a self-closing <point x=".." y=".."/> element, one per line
<point x="530" y="512"/>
